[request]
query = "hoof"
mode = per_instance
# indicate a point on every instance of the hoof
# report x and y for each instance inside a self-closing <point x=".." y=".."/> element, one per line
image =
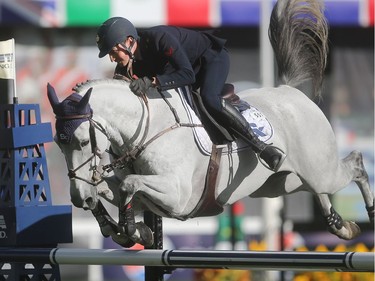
<point x="123" y="241"/>
<point x="146" y="237"/>
<point x="108" y="227"/>
<point x="353" y="229"/>
<point x="348" y="231"/>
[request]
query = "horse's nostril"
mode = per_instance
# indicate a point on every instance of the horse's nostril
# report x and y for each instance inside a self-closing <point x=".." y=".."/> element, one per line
<point x="89" y="201"/>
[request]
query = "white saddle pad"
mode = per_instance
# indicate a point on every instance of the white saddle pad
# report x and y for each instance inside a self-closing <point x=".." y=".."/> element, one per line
<point x="257" y="120"/>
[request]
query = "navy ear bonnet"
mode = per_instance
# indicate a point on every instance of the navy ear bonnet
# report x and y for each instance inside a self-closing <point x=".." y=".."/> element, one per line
<point x="70" y="108"/>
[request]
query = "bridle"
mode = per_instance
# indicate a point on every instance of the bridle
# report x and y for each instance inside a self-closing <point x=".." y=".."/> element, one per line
<point x="97" y="177"/>
<point x="129" y="156"/>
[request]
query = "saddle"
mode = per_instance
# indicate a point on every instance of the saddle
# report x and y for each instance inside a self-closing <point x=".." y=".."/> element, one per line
<point x="217" y="133"/>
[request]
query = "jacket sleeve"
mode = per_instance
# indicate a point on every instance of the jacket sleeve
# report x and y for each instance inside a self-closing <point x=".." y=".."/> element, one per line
<point x="178" y="71"/>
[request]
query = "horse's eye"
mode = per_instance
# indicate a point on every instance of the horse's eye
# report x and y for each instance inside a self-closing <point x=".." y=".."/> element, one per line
<point x="84" y="143"/>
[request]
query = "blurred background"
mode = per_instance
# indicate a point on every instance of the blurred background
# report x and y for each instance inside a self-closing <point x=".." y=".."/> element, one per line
<point x="55" y="43"/>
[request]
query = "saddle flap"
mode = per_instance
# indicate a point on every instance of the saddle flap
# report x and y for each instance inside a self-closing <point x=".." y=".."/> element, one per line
<point x="217" y="133"/>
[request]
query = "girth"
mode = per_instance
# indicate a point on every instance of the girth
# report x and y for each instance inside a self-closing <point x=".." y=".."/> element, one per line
<point x="207" y="205"/>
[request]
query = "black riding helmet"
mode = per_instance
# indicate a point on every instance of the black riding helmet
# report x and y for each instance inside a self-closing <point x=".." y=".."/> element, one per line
<point x="112" y="32"/>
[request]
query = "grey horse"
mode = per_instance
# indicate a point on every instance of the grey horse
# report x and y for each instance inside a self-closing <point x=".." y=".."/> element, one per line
<point x="155" y="164"/>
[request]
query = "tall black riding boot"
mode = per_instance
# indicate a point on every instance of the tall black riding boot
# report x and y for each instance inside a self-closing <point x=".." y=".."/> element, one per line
<point x="240" y="127"/>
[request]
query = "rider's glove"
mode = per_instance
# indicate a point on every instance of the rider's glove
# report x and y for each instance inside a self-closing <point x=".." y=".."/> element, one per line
<point x="140" y="86"/>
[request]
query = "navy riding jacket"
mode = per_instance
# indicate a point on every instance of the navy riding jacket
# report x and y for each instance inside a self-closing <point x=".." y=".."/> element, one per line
<point x="174" y="55"/>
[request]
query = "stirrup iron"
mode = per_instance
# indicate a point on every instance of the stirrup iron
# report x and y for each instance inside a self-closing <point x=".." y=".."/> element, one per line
<point x="281" y="160"/>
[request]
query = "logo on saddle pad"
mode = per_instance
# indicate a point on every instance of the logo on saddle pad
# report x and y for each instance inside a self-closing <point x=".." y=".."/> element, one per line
<point x="259" y="123"/>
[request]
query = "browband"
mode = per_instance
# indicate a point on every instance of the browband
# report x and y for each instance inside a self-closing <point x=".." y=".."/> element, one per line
<point x="70" y="117"/>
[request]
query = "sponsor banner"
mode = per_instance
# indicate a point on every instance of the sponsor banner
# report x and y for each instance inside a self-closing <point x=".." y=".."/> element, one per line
<point x="342" y="13"/>
<point x="366" y="13"/>
<point x="371" y="9"/>
<point x="87" y="12"/>
<point x="142" y="13"/>
<point x="44" y="13"/>
<point x="189" y="12"/>
<point x="145" y="13"/>
<point x="7" y="64"/>
<point x="240" y="12"/>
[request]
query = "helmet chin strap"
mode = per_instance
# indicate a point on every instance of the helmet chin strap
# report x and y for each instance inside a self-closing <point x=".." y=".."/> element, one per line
<point x="128" y="50"/>
<point x="129" y="69"/>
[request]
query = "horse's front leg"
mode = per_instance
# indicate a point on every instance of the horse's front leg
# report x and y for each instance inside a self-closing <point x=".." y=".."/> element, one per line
<point x="138" y="232"/>
<point x="108" y="226"/>
<point x="336" y="225"/>
<point x="162" y="190"/>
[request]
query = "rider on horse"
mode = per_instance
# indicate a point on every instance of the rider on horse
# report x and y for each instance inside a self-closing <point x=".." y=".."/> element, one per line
<point x="170" y="57"/>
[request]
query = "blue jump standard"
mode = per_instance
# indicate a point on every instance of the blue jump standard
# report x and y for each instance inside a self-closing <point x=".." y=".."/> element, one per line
<point x="27" y="216"/>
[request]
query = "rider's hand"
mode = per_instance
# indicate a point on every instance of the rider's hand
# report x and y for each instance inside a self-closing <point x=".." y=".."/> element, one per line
<point x="140" y="86"/>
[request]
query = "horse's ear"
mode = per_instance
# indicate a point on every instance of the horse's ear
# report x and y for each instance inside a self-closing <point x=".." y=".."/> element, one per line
<point x="85" y="100"/>
<point x="52" y="97"/>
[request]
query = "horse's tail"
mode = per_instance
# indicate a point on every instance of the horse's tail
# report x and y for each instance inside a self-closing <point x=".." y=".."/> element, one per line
<point x="298" y="33"/>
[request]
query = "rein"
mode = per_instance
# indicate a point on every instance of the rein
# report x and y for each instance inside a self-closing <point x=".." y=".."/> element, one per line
<point x="129" y="156"/>
<point x="127" y="159"/>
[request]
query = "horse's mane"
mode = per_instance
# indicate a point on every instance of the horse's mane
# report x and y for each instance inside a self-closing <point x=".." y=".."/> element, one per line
<point x="84" y="86"/>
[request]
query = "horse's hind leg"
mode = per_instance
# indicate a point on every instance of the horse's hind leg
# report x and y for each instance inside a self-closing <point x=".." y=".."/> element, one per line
<point x="355" y="162"/>
<point x="352" y="169"/>
<point x="344" y="229"/>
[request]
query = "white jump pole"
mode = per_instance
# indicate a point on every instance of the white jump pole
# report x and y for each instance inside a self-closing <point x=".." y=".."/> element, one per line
<point x="253" y="260"/>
